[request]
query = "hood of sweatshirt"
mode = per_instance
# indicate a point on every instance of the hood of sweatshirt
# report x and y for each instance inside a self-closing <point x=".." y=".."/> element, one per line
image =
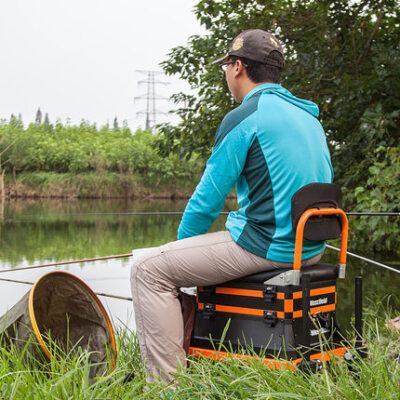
<point x="284" y="94"/>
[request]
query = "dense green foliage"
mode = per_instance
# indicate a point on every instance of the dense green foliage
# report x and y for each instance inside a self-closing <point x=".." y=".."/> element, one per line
<point x="376" y="377"/>
<point x="342" y="54"/>
<point x="66" y="148"/>
<point x="380" y="192"/>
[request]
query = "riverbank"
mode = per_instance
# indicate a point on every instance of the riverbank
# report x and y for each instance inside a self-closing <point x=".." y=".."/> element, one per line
<point x="376" y="377"/>
<point x="97" y="185"/>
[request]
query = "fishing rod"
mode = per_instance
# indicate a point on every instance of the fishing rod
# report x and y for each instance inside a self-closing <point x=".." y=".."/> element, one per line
<point x="368" y="260"/>
<point x="374" y="214"/>
<point x="128" y="255"/>
<point x="151" y="213"/>
<point x="66" y="262"/>
<point x="113" y="296"/>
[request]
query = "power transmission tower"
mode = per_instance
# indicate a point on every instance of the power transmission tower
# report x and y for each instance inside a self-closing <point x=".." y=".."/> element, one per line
<point x="151" y="97"/>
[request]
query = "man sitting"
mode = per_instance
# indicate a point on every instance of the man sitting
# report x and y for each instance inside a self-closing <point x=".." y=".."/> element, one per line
<point x="270" y="146"/>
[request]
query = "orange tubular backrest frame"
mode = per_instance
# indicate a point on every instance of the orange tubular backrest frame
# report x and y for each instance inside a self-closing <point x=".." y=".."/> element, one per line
<point x="298" y="248"/>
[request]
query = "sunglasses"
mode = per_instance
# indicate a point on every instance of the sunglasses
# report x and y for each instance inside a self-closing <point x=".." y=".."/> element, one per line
<point x="224" y="65"/>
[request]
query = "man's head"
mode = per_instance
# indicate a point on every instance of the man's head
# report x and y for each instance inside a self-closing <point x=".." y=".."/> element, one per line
<point x="254" y="57"/>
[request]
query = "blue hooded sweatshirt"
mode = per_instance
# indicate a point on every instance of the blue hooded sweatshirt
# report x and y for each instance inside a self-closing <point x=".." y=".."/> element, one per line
<point x="269" y="147"/>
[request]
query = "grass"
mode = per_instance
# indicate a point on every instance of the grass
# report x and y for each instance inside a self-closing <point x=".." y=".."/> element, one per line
<point x="376" y="377"/>
<point x="97" y="185"/>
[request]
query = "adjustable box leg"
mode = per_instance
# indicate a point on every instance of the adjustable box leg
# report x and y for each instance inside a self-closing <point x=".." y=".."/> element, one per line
<point x="306" y="310"/>
<point x="307" y="365"/>
<point x="358" y="316"/>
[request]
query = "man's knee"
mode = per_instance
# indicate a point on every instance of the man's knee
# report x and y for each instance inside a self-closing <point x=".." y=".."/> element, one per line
<point x="138" y="271"/>
<point x="141" y="261"/>
<point x="151" y="270"/>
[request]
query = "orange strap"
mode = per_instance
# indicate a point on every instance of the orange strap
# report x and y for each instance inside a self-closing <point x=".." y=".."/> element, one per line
<point x="273" y="363"/>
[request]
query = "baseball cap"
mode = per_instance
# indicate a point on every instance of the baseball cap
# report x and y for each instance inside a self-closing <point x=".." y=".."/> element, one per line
<point x="256" y="45"/>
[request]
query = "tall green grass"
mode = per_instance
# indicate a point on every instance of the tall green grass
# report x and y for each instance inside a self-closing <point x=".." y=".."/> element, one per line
<point x="95" y="185"/>
<point x="375" y="377"/>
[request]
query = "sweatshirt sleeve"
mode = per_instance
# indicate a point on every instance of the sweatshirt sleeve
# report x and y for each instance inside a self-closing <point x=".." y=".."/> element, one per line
<point x="220" y="175"/>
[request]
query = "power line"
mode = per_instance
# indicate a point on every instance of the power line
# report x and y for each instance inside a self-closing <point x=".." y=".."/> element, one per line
<point x="150" y="96"/>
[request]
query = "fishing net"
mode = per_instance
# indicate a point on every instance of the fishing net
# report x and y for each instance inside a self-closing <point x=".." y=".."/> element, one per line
<point x="62" y="315"/>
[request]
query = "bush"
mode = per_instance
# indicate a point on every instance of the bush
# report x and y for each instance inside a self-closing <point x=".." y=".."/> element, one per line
<point x="84" y="148"/>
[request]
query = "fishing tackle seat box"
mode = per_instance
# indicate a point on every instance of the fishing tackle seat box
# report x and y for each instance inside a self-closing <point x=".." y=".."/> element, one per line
<point x="265" y="316"/>
<point x="267" y="312"/>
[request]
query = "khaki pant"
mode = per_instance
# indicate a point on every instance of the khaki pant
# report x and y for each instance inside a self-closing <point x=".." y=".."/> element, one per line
<point x="158" y="274"/>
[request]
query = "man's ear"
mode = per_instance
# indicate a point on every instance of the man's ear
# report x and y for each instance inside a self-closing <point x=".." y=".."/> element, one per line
<point x="239" y="68"/>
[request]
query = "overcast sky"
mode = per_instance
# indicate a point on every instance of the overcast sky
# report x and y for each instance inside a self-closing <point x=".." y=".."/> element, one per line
<point x="78" y="58"/>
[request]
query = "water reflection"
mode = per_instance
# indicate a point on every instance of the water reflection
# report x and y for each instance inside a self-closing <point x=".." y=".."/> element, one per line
<point x="37" y="231"/>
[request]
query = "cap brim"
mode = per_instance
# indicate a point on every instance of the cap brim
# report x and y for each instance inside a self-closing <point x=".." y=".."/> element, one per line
<point x="220" y="59"/>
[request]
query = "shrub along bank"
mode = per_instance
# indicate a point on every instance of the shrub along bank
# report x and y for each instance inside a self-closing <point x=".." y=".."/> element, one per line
<point x="63" y="160"/>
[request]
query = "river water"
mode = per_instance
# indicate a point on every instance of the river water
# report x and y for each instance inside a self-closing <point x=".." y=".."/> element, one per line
<point x="34" y="232"/>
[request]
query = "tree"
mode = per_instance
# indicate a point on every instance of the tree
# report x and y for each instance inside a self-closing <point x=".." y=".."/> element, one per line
<point x="38" y="118"/>
<point x="115" y="123"/>
<point x="16" y="122"/>
<point x="342" y="54"/>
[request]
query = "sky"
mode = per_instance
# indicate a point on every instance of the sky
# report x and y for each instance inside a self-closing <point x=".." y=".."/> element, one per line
<point x="78" y="59"/>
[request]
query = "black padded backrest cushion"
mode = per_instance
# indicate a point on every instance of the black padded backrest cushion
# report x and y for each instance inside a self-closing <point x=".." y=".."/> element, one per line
<point x="318" y="195"/>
